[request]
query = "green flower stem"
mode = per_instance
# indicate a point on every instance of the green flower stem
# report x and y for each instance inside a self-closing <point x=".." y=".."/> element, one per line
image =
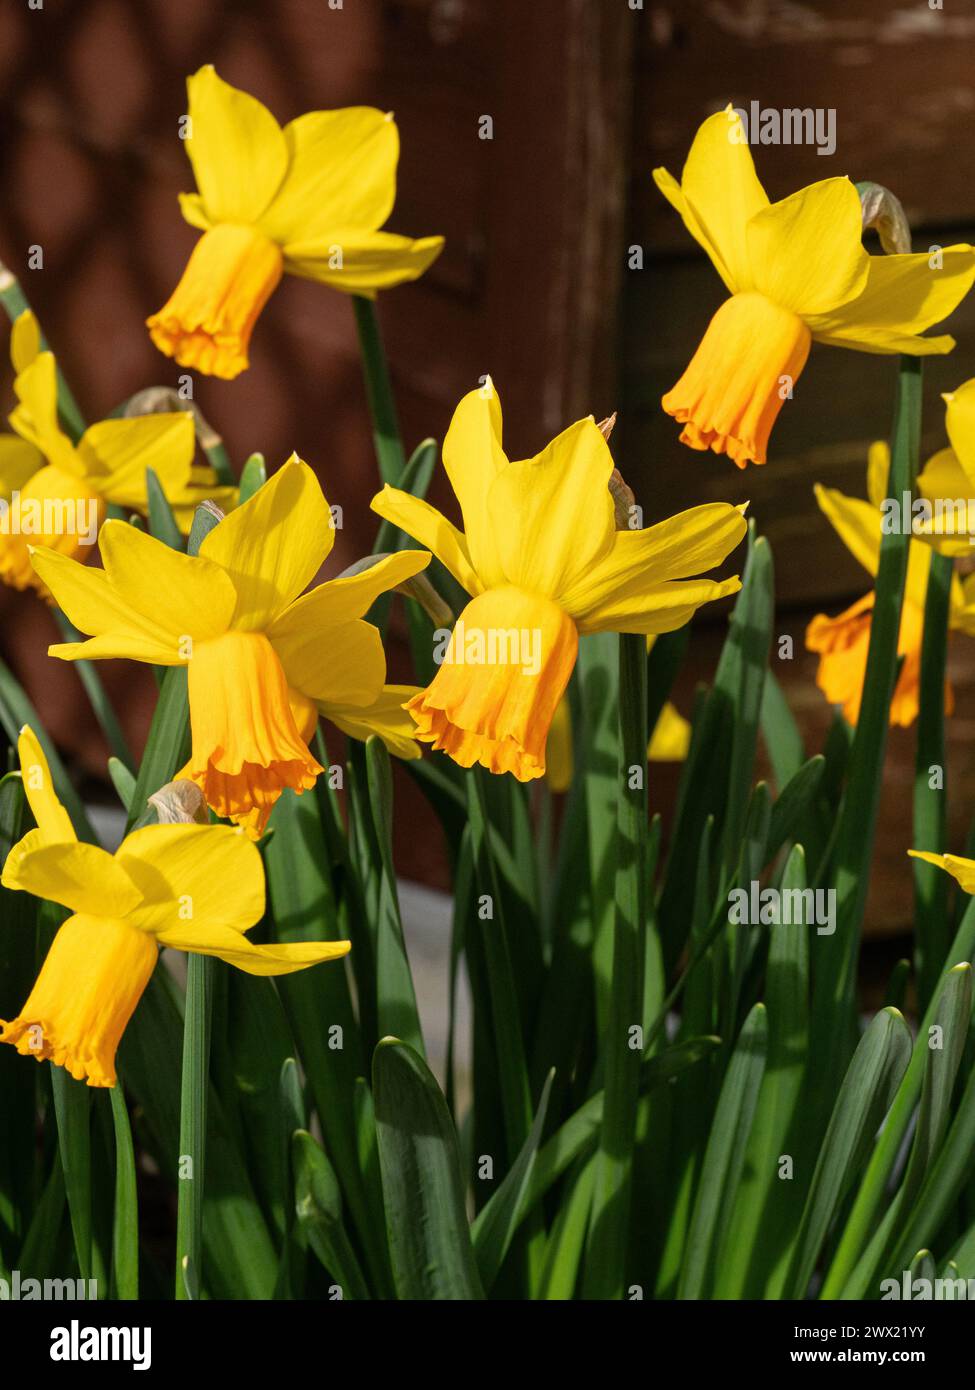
<point x="193" y="1121"/>
<point x="125" y="1234"/>
<point x="931" y="927"/>
<point x="15" y="303"/>
<point x="609" y="1228"/>
<point x="97" y="698"/>
<point x="512" y="1066"/>
<point x="833" y="1004"/>
<point x="379" y="392"/>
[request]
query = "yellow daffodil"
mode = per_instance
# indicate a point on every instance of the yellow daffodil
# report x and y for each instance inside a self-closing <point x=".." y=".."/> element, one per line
<point x="796" y="271"/>
<point x="842" y="642"/>
<point x="543" y="562"/>
<point x="669" y="742"/>
<point x="191" y="887"/>
<point x="55" y="493"/>
<point x="262" y="661"/>
<point x="307" y="199"/>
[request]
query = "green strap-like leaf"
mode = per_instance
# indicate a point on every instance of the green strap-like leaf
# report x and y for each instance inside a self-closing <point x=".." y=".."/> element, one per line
<point x="125" y="1230"/>
<point x="162" y="523"/>
<point x="724" y="1156"/>
<point x="253" y="476"/>
<point x="872" y="1078"/>
<point x="498" y="1220"/>
<point x="423" y="1191"/>
<point x="318" y="1205"/>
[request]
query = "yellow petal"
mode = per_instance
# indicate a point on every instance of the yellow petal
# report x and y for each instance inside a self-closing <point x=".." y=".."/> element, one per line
<point x="432" y="529"/>
<point x="25" y="341"/>
<point x="945" y="484"/>
<point x="341" y="173"/>
<point x="35" y="417"/>
<point x="53" y="822"/>
<point x="721" y="186"/>
<point x="350" y="596"/>
<point x="361" y="262"/>
<point x="878" y="470"/>
<point x="345" y="665"/>
<point x="671" y="738"/>
<point x="120" y="606"/>
<point x="855" y="521"/>
<point x="197" y="598"/>
<point x="228" y="945"/>
<point x="191" y="206"/>
<point x="902" y="297"/>
<point x="117" y="453"/>
<point x="963" y="870"/>
<point x="387" y="717"/>
<point x="805" y="251"/>
<point x="674" y="194"/>
<point x="79" y="876"/>
<point x="916" y="580"/>
<point x="960" y="424"/>
<point x="679" y="548"/>
<point x="273" y="545"/>
<point x="19" y="461"/>
<point x="237" y="149"/>
<point x="205" y="875"/>
<point x="553" y="515"/>
<point x="659" y="608"/>
<point x="473" y="458"/>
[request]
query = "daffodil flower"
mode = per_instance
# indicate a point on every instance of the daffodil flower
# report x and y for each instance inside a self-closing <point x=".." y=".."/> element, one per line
<point x="262" y="661"/>
<point x="843" y="642"/>
<point x="542" y="559"/>
<point x="55" y="493"/>
<point x="796" y="271"/>
<point x="191" y="887"/>
<point x="307" y="199"/>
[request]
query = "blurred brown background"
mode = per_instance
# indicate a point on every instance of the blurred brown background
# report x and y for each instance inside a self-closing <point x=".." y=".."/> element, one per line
<point x="586" y="96"/>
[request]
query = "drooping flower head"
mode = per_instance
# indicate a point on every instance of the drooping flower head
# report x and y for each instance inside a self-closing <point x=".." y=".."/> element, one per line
<point x="191" y="887"/>
<point x="542" y="559"/>
<point x="262" y="661"/>
<point x="55" y="493"/>
<point x="307" y="199"/>
<point x="843" y="642"/>
<point x="797" y="271"/>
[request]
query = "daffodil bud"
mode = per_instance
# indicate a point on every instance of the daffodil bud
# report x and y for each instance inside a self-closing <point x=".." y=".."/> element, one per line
<point x="885" y="213"/>
<point x="180" y="803"/>
<point x="624" y="500"/>
<point x="422" y="592"/>
<point x="163" y="400"/>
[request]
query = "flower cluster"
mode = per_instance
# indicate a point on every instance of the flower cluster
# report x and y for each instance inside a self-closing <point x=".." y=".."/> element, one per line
<point x="542" y="554"/>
